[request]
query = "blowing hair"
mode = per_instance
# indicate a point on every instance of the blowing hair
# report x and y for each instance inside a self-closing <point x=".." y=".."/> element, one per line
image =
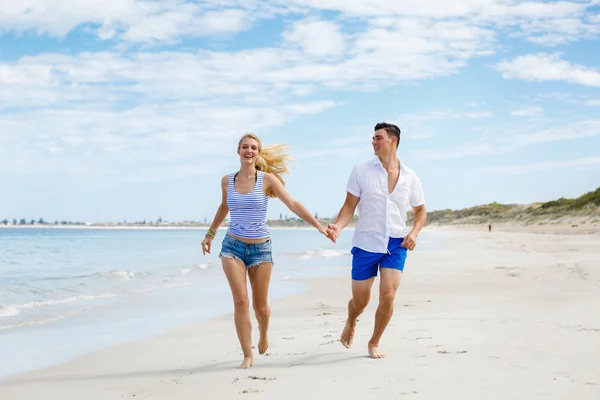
<point x="390" y="129"/>
<point x="271" y="159"/>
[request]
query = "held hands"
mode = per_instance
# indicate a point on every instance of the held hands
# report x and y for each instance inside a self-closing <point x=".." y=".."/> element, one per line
<point x="410" y="241"/>
<point x="332" y="232"/>
<point x="325" y="232"/>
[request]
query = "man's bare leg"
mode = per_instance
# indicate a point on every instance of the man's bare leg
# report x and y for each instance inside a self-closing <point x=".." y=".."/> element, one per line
<point x="235" y="271"/>
<point x="260" y="277"/>
<point x="388" y="285"/>
<point x="361" y="293"/>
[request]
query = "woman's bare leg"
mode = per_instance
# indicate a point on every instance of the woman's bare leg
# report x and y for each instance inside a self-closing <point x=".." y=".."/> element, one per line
<point x="260" y="277"/>
<point x="235" y="271"/>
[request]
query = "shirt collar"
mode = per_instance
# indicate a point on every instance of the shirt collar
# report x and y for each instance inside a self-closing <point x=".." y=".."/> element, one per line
<point x="377" y="161"/>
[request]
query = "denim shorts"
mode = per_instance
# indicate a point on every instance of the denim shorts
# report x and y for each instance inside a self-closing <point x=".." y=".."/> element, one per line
<point x="250" y="254"/>
<point x="366" y="264"/>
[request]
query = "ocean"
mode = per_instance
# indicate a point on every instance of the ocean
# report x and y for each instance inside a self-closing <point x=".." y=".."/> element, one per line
<point x="66" y="292"/>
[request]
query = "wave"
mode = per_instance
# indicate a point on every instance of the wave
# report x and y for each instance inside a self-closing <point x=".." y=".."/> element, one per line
<point x="117" y="275"/>
<point x="45" y="320"/>
<point x="187" y="270"/>
<point x="14" y="309"/>
<point x="9" y="311"/>
<point x="172" y="285"/>
<point x="307" y="255"/>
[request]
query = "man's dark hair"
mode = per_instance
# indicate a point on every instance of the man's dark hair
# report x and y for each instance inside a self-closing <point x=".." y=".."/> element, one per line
<point x="391" y="130"/>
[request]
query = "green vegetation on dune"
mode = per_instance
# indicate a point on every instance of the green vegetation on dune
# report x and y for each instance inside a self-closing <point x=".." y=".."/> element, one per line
<point x="587" y="204"/>
<point x="589" y="200"/>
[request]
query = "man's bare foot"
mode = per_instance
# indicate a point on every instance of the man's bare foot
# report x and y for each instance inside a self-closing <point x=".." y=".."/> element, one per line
<point x="374" y="352"/>
<point x="263" y="342"/>
<point x="348" y="334"/>
<point x="247" y="363"/>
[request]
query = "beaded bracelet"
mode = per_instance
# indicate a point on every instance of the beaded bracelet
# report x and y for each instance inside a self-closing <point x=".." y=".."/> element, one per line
<point x="210" y="234"/>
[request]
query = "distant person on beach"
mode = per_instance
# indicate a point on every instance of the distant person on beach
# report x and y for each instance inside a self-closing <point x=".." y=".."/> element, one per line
<point x="246" y="248"/>
<point x="489" y="227"/>
<point x="383" y="188"/>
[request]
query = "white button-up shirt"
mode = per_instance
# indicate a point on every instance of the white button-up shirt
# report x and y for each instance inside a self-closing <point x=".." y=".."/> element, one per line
<point x="382" y="215"/>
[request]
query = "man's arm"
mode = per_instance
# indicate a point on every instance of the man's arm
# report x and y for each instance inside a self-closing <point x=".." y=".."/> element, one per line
<point x="344" y="216"/>
<point x="420" y="218"/>
<point x="410" y="240"/>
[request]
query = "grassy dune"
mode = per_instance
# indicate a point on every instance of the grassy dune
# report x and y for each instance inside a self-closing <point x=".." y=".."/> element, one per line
<point x="585" y="207"/>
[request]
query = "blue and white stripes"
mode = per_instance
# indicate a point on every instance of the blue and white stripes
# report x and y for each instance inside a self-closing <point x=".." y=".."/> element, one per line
<point x="248" y="211"/>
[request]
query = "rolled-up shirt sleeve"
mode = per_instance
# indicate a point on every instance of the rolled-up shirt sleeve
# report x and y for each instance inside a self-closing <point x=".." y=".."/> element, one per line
<point x="417" y="197"/>
<point x="353" y="185"/>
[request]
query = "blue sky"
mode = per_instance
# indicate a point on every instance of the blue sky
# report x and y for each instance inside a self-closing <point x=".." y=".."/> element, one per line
<point x="126" y="109"/>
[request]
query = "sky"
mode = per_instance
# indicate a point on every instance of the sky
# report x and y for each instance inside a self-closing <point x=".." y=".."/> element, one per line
<point x="115" y="110"/>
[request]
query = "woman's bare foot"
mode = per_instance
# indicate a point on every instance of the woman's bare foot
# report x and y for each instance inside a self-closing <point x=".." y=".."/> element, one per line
<point x="263" y="342"/>
<point x="348" y="334"/>
<point x="374" y="351"/>
<point x="247" y="363"/>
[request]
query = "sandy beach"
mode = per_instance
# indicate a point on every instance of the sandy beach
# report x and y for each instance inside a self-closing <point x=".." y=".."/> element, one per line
<point x="506" y="315"/>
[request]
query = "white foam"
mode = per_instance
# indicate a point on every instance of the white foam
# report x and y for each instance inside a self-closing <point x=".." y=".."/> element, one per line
<point x="332" y="253"/>
<point x="40" y="321"/>
<point x="66" y="300"/>
<point x="120" y="275"/>
<point x="9" y="311"/>
<point x="322" y="253"/>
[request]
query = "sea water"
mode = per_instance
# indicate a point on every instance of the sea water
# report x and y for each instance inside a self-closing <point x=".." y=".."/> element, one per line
<point x="65" y="292"/>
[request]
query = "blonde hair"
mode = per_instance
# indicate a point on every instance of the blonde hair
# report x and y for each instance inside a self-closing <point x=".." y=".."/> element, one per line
<point x="271" y="159"/>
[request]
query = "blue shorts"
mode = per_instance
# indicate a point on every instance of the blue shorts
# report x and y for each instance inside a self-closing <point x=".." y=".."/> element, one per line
<point x="366" y="264"/>
<point x="250" y="254"/>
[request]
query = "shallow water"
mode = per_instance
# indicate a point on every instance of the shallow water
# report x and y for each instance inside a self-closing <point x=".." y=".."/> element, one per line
<point x="65" y="292"/>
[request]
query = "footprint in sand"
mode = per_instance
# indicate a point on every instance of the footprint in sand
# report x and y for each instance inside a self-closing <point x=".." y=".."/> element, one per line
<point x="447" y="352"/>
<point x="260" y="378"/>
<point x="330" y="342"/>
<point x="511" y="271"/>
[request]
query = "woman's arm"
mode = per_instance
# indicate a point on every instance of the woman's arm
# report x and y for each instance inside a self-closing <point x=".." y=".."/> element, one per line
<point x="220" y="216"/>
<point x="271" y="182"/>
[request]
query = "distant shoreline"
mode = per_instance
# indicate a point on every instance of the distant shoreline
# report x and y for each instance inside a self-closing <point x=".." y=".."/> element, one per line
<point x="568" y="225"/>
<point x="142" y="227"/>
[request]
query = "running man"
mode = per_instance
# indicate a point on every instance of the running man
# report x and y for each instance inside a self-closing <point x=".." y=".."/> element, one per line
<point x="383" y="188"/>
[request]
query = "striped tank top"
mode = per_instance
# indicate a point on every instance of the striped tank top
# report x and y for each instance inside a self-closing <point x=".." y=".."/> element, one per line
<point x="248" y="211"/>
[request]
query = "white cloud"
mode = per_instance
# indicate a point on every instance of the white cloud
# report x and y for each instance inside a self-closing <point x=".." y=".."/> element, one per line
<point x="172" y="25"/>
<point x="317" y="38"/>
<point x="129" y="20"/>
<point x="498" y="142"/>
<point x="555" y="31"/>
<point x="113" y="111"/>
<point x="311" y="108"/>
<point x="152" y="21"/>
<point x="446" y="9"/>
<point x="569" y="131"/>
<point x="109" y="144"/>
<point x="548" y="67"/>
<point x="593" y="103"/>
<point x="544" y="166"/>
<point x="528" y="111"/>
